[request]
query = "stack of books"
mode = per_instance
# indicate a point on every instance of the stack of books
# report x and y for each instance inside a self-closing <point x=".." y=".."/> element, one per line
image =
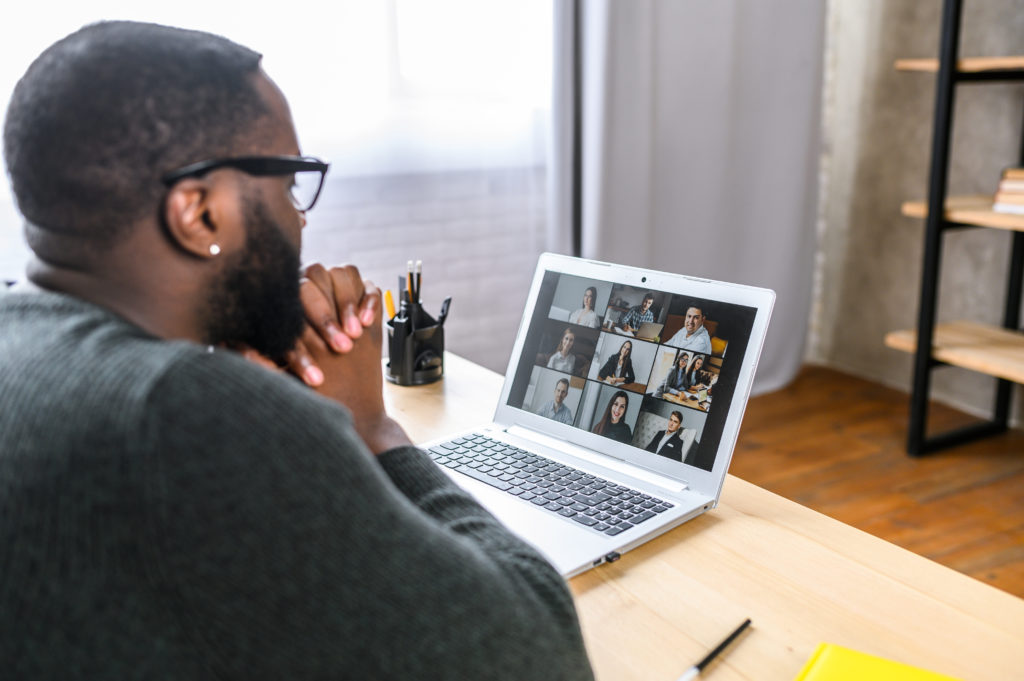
<point x="1009" y="197"/>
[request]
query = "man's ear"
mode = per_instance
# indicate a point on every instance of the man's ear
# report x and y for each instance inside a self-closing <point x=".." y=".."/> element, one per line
<point x="187" y="216"/>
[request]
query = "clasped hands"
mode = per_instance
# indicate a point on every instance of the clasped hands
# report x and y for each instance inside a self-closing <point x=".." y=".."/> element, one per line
<point x="339" y="352"/>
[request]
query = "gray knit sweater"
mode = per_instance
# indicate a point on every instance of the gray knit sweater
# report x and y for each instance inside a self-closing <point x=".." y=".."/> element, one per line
<point x="171" y="513"/>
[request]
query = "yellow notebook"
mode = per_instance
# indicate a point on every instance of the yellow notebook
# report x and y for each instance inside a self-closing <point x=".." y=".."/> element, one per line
<point x="835" y="663"/>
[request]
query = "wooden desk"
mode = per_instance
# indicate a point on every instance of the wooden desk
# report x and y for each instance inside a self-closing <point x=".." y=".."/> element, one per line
<point x="802" y="577"/>
<point x="687" y="399"/>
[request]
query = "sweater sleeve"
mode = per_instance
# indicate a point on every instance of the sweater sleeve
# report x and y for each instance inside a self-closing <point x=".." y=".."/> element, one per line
<point x="292" y="552"/>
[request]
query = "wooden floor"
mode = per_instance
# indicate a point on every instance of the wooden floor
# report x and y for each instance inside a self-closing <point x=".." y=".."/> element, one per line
<point x="835" y="443"/>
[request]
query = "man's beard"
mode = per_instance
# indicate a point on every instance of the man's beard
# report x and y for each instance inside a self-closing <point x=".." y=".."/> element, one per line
<point x="255" y="301"/>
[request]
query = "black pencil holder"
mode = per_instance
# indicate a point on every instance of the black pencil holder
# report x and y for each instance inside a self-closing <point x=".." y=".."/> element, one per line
<point x="415" y="348"/>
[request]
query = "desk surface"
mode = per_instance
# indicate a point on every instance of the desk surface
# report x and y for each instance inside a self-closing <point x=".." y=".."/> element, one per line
<point x="801" y="576"/>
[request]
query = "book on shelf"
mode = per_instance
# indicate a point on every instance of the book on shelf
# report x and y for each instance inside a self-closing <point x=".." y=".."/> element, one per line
<point x="1015" y="186"/>
<point x="1012" y="208"/>
<point x="1009" y="196"/>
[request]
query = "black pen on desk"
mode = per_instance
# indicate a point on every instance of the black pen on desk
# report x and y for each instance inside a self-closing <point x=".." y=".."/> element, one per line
<point x="696" y="669"/>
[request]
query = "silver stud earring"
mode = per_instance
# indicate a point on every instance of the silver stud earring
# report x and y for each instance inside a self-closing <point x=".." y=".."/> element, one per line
<point x="214" y="249"/>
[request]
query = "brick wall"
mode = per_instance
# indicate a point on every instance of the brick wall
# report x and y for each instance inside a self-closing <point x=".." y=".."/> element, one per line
<point x="478" y="234"/>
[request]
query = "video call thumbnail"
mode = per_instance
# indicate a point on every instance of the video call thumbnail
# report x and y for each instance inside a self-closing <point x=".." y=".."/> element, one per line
<point x="641" y="367"/>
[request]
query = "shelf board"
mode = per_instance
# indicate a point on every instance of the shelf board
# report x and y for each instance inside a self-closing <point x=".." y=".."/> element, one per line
<point x="979" y="347"/>
<point x="969" y="210"/>
<point x="968" y="65"/>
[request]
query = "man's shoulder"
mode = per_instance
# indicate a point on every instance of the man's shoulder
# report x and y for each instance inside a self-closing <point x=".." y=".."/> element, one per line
<point x="79" y="359"/>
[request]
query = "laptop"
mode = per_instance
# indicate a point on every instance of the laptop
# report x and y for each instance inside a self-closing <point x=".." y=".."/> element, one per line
<point x="584" y="470"/>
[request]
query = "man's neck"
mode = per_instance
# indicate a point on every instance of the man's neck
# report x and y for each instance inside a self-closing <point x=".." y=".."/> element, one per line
<point x="152" y="307"/>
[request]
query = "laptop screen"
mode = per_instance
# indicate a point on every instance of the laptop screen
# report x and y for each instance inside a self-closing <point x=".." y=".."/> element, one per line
<point x="648" y="368"/>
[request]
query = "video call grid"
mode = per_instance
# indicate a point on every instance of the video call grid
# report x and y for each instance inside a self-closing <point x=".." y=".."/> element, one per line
<point x="664" y="379"/>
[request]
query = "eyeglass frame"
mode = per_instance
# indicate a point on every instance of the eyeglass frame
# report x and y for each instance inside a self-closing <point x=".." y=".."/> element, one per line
<point x="257" y="166"/>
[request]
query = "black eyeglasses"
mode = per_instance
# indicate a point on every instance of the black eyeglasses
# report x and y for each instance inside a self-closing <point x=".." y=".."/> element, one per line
<point x="309" y="173"/>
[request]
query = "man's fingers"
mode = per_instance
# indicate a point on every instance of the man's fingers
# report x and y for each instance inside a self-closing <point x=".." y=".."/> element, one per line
<point x="348" y="289"/>
<point x="300" y="363"/>
<point x="339" y="304"/>
<point x="370" y="305"/>
<point x="322" y="314"/>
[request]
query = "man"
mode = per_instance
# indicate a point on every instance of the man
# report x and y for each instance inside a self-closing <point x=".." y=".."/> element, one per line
<point x="555" y="409"/>
<point x="638" y="314"/>
<point x="669" y="442"/>
<point x="693" y="336"/>
<point x="170" y="509"/>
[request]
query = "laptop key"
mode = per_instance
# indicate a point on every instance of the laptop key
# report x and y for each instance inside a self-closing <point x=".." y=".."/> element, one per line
<point x="592" y="500"/>
<point x="584" y="520"/>
<point x="617" y="529"/>
<point x="483" y="477"/>
<point x="646" y="515"/>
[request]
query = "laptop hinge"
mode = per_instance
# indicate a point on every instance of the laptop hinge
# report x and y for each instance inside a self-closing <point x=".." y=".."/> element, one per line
<point x="626" y="468"/>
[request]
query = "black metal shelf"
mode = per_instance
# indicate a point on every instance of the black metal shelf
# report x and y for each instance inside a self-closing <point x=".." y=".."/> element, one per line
<point x="950" y="73"/>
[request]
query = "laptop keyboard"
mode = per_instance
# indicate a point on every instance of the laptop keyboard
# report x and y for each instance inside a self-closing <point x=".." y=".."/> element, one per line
<point x="571" y="493"/>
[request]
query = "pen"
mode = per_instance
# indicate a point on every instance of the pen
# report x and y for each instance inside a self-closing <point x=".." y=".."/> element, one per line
<point x="419" y="274"/>
<point x="408" y="281"/>
<point x="696" y="669"/>
<point x="389" y="303"/>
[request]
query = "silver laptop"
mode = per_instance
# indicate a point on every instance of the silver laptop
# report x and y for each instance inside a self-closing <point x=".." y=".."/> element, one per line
<point x="586" y="469"/>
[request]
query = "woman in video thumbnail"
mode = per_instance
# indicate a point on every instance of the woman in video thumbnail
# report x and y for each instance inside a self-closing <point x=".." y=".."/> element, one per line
<point x="677" y="380"/>
<point x="585" y="316"/>
<point x="696" y="376"/>
<point x="563" y="360"/>
<point x="619" y="367"/>
<point x="613" y="423"/>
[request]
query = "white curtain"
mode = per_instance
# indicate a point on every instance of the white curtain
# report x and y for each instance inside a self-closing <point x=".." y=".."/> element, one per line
<point x="434" y="117"/>
<point x="701" y="145"/>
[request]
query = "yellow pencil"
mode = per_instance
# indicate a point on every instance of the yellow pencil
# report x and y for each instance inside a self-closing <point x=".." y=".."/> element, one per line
<point x="390" y="304"/>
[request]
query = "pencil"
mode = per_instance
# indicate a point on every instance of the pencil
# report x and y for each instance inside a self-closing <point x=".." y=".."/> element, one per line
<point x="696" y="669"/>
<point x="389" y="303"/>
